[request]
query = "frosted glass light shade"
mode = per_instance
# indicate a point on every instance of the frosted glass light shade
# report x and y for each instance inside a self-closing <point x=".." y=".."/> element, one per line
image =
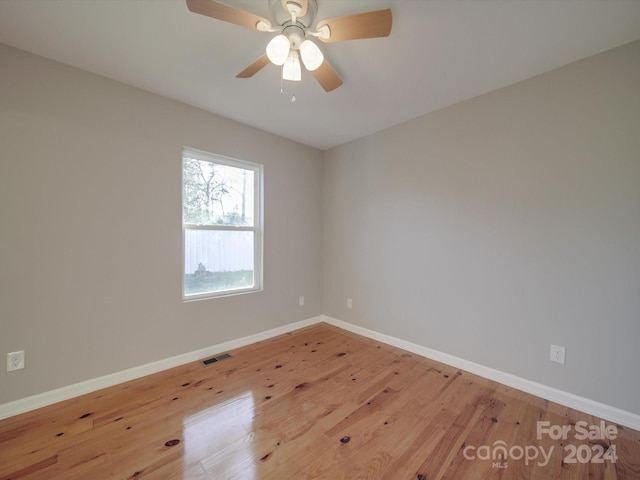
<point x="291" y="69"/>
<point x="278" y="49"/>
<point x="311" y="55"/>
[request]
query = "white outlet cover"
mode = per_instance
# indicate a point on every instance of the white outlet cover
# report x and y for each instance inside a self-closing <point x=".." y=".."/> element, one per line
<point x="301" y="300"/>
<point x="15" y="361"/>
<point x="557" y="354"/>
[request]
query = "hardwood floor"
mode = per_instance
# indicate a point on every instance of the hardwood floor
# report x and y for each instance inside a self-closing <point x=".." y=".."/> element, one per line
<point x="316" y="403"/>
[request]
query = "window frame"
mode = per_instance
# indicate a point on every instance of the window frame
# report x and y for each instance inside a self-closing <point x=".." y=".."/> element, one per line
<point x="257" y="228"/>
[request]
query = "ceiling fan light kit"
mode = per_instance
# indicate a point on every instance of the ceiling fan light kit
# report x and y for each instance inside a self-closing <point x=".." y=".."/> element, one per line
<point x="293" y="20"/>
<point x="311" y="55"/>
<point x="278" y="49"/>
<point x="291" y="69"/>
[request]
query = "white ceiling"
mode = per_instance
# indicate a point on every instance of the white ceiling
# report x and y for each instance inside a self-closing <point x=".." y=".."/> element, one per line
<point x="440" y="52"/>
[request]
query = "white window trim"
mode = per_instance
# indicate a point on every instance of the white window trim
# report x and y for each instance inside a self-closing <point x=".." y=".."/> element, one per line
<point x="257" y="228"/>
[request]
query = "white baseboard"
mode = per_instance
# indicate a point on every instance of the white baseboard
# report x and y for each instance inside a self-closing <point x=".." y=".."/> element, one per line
<point x="567" y="399"/>
<point x="65" y="393"/>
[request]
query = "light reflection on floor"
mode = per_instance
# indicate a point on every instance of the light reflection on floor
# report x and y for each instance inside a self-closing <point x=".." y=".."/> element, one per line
<point x="219" y="440"/>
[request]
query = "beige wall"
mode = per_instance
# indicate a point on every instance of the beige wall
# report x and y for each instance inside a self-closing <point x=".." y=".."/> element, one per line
<point x="90" y="236"/>
<point x="493" y="228"/>
<point x="487" y="230"/>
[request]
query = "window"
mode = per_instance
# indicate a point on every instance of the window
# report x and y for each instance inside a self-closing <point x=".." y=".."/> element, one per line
<point x="221" y="225"/>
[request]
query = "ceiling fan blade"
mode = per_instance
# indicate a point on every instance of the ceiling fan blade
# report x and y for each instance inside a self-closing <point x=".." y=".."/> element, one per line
<point x="327" y="76"/>
<point x="361" y="25"/>
<point x="225" y="13"/>
<point x="254" y="68"/>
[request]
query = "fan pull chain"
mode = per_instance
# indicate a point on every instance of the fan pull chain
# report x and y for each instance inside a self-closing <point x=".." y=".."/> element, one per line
<point x="293" y="95"/>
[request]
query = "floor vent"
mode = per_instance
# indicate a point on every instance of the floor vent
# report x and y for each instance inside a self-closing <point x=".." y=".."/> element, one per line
<point x="217" y="359"/>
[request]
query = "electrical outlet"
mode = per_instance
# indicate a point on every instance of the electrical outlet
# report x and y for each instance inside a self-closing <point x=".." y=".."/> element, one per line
<point x="557" y="354"/>
<point x="15" y="361"/>
<point x="301" y="300"/>
<point x="349" y="303"/>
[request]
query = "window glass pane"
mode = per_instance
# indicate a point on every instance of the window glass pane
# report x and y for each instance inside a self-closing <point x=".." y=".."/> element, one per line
<point x="216" y="194"/>
<point x="216" y="260"/>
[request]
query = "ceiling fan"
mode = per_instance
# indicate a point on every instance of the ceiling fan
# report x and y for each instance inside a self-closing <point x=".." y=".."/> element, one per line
<point x="293" y="20"/>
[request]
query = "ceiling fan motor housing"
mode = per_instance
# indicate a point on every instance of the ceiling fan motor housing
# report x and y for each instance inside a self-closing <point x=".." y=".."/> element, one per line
<point x="281" y="15"/>
<point x="295" y="34"/>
